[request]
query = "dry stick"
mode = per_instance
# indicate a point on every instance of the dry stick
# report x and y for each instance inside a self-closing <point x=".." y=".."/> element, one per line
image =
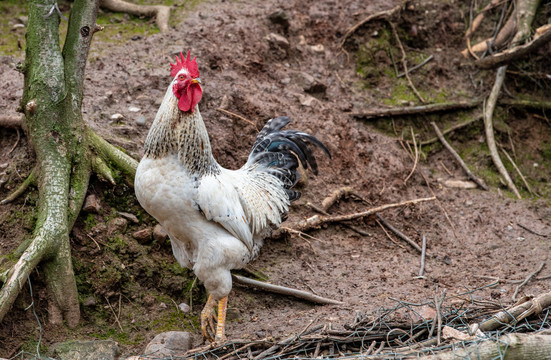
<point x="114" y="314"/>
<point x="457" y="157"/>
<point x="237" y="116"/>
<point x="399" y="234"/>
<point x="323" y="212"/>
<point x="379" y="15"/>
<point x="317" y="220"/>
<point x="388" y="235"/>
<point x="418" y="66"/>
<point x="285" y="291"/>
<point x="403" y="60"/>
<point x="531" y="230"/>
<point x="489" y="129"/>
<point x="439" y="316"/>
<point x="335" y="196"/>
<point x="528" y="278"/>
<point x="423" y="254"/>
<point x="420" y="109"/>
<point x="416" y="157"/>
<point x="16" y="141"/>
<point x="451" y="129"/>
<point x="518" y="171"/>
<point x="478" y="19"/>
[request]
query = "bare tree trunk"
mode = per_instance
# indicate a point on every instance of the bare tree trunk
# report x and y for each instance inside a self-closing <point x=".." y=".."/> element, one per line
<point x="52" y="100"/>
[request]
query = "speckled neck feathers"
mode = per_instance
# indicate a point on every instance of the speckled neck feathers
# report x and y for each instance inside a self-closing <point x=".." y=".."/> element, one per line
<point x="181" y="133"/>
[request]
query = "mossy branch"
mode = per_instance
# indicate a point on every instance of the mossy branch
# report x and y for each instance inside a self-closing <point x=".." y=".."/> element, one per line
<point x="30" y="180"/>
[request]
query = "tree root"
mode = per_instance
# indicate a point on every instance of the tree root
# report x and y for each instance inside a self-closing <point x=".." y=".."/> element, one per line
<point x="30" y="180"/>
<point x="103" y="170"/>
<point x="489" y="129"/>
<point x="111" y="154"/>
<point x="160" y="12"/>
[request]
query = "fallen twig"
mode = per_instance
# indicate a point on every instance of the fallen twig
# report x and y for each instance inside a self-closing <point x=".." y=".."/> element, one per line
<point x="160" y="12"/>
<point x="413" y="68"/>
<point x="380" y="15"/>
<point x="323" y="212"/>
<point x="114" y="314"/>
<point x="399" y="233"/>
<point x="518" y="171"/>
<point x="416" y="156"/>
<point x="420" y="109"/>
<point x="237" y="116"/>
<point x="16" y="141"/>
<point x="423" y="254"/>
<point x="335" y="196"/>
<point x="528" y="278"/>
<point x="388" y="235"/>
<point x="285" y="291"/>
<point x="457" y="157"/>
<point x="317" y="220"/>
<point x="531" y="230"/>
<point x="478" y="19"/>
<point x="403" y="60"/>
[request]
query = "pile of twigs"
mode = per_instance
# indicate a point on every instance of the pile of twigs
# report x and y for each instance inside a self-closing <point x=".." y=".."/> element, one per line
<point x="404" y="331"/>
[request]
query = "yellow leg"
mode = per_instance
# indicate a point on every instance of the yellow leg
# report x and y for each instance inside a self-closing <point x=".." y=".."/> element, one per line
<point x="207" y="318"/>
<point x="220" y="326"/>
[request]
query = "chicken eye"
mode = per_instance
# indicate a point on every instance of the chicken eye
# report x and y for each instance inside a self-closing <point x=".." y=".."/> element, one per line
<point x="181" y="77"/>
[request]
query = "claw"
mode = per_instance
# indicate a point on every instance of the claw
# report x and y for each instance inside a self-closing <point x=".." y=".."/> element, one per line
<point x="214" y="333"/>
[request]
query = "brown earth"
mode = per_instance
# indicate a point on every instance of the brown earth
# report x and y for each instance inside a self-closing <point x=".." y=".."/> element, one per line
<point x="247" y="74"/>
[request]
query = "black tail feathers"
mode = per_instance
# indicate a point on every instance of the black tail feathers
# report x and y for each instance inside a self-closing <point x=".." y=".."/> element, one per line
<point x="280" y="151"/>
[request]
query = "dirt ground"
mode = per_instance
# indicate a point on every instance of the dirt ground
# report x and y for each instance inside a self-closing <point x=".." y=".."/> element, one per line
<point x="130" y="290"/>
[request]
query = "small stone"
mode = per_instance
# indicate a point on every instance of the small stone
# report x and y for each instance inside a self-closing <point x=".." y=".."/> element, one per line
<point x="4" y="166"/>
<point x="159" y="233"/>
<point x="91" y="204"/>
<point x="278" y="40"/>
<point x="89" y="301"/>
<point x="116" y="225"/>
<point x="162" y="305"/>
<point x="280" y="17"/>
<point x="509" y="227"/>
<point x="129" y="216"/>
<point x="169" y="344"/>
<point x="117" y="116"/>
<point x="319" y="48"/>
<point x="86" y="350"/>
<point x="17" y="26"/>
<point x="134" y="109"/>
<point x="141" y="121"/>
<point x="184" y="307"/>
<point x="142" y="236"/>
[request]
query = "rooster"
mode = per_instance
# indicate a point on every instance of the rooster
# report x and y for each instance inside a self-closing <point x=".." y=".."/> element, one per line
<point x="216" y="218"/>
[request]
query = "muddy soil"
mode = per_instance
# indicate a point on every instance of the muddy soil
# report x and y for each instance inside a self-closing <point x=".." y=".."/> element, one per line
<point x="473" y="236"/>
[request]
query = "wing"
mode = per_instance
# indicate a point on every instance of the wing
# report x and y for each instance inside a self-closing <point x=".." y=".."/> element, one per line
<point x="243" y="201"/>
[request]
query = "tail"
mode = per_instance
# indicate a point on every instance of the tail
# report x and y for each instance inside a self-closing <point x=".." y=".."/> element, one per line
<point x="279" y="153"/>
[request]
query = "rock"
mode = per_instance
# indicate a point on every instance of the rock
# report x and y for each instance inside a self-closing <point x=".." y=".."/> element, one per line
<point x="117" y="116"/>
<point x="309" y="84"/>
<point x="129" y="216"/>
<point x="134" y="109"/>
<point x="142" y="236"/>
<point x="162" y="305"/>
<point x="159" y="233"/>
<point x="184" y="307"/>
<point x="116" y="225"/>
<point x="91" y="204"/>
<point x="278" y="41"/>
<point x="169" y="344"/>
<point x="319" y="48"/>
<point x="89" y="301"/>
<point x="141" y="121"/>
<point x="86" y="350"/>
<point x="280" y="17"/>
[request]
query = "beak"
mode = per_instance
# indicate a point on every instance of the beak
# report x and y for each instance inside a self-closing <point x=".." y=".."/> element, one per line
<point x="196" y="81"/>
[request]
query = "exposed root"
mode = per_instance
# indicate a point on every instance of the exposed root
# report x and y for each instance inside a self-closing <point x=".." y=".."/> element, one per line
<point x="399" y="234"/>
<point x="30" y="180"/>
<point x="160" y="12"/>
<point x="102" y="170"/>
<point x="335" y="196"/>
<point x="518" y="171"/>
<point x="420" y="109"/>
<point x="16" y="141"/>
<point x="12" y="121"/>
<point x="489" y="129"/>
<point x="111" y="154"/>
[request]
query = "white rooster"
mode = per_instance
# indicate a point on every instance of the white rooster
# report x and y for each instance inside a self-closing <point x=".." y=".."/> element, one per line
<point x="216" y="218"/>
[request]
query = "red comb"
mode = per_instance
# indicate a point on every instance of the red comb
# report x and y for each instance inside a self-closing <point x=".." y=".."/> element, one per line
<point x="183" y="63"/>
